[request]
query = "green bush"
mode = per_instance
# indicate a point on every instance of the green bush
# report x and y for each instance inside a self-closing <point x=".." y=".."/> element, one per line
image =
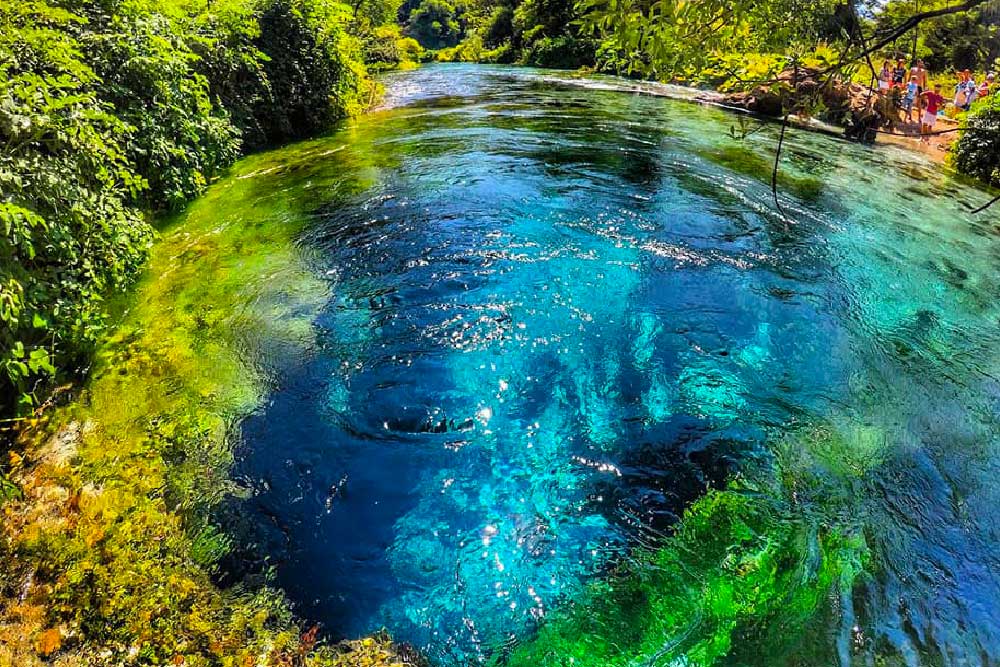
<point x="382" y="50"/>
<point x="313" y="67"/>
<point x="67" y="238"/>
<point x="470" y="50"/>
<point x="560" y="53"/>
<point x="410" y="50"/>
<point x="499" y="27"/>
<point x="371" y="15"/>
<point x="178" y="139"/>
<point x="437" y="24"/>
<point x="529" y="32"/>
<point x="386" y="48"/>
<point x="977" y="151"/>
<point x="111" y="108"/>
<point x="225" y="42"/>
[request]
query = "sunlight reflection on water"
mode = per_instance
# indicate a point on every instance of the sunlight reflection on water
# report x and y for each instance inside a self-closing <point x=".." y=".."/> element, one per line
<point x="561" y="313"/>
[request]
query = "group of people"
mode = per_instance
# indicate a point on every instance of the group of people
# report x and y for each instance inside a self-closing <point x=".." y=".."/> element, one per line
<point x="915" y="93"/>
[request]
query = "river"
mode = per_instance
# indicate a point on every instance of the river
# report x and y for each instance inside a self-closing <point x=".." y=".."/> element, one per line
<point x="568" y="388"/>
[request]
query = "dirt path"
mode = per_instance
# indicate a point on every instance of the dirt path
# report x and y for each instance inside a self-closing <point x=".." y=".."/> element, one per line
<point x="936" y="149"/>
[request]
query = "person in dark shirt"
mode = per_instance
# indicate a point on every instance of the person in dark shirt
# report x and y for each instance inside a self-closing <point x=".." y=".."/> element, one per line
<point x="899" y="74"/>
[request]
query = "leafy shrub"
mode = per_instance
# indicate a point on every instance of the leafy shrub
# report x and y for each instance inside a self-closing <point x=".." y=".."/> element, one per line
<point x="9" y="490"/>
<point x="470" y="50"/>
<point x="381" y="48"/>
<point x="111" y="107"/>
<point x="313" y="67"/>
<point x="178" y="140"/>
<point x="537" y="19"/>
<point x="561" y="53"/>
<point x="225" y="42"/>
<point x="977" y="151"/>
<point x="374" y="14"/>
<point x="66" y="236"/>
<point x="499" y="27"/>
<point x="504" y="54"/>
<point x="530" y="32"/>
<point x="386" y="48"/>
<point x="436" y="24"/>
<point x="410" y="50"/>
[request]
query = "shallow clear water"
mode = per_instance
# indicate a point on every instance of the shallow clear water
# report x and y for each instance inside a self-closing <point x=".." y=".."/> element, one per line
<point x="560" y="312"/>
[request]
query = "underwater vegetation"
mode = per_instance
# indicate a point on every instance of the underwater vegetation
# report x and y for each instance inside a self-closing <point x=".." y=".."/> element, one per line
<point x="528" y="381"/>
<point x="108" y="550"/>
<point x="750" y="163"/>
<point x="749" y="571"/>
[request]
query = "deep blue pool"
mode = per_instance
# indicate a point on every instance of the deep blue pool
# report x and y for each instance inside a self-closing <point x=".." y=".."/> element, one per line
<point x="561" y="312"/>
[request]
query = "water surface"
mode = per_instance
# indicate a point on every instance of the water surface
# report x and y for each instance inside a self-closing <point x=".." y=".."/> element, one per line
<point x="560" y="313"/>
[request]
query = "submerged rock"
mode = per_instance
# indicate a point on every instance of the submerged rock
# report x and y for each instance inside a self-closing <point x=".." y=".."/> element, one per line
<point x="377" y="651"/>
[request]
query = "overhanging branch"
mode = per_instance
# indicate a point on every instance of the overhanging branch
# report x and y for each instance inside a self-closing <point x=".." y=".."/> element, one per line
<point x="913" y="21"/>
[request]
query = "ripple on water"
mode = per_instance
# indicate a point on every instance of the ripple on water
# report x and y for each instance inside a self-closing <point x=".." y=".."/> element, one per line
<point x="560" y="314"/>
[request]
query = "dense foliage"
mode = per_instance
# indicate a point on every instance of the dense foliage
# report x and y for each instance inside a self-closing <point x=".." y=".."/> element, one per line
<point x="532" y="32"/>
<point x="691" y="40"/>
<point x="977" y="151"/>
<point x="683" y="40"/>
<point x="967" y="40"/>
<point x="113" y="108"/>
<point x="312" y="65"/>
<point x="435" y="24"/>
<point x="68" y="235"/>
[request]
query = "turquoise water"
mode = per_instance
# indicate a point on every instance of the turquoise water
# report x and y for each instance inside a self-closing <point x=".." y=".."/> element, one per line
<point x="561" y="312"/>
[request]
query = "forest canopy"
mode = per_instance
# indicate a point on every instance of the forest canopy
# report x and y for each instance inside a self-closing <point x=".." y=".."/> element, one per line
<point x="699" y="40"/>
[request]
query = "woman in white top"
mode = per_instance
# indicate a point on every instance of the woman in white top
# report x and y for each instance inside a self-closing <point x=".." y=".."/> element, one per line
<point x="885" y="78"/>
<point x="960" y="91"/>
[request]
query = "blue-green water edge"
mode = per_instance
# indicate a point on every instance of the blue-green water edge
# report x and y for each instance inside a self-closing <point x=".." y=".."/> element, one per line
<point x="559" y="314"/>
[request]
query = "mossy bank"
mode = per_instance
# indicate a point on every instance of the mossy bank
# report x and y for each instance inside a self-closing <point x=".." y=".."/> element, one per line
<point x="108" y="549"/>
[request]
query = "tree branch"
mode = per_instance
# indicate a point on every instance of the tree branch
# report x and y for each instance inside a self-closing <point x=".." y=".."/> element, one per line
<point x="912" y="22"/>
<point x="986" y="205"/>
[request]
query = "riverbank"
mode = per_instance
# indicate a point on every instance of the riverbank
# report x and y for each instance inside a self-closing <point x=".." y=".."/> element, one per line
<point x="111" y="553"/>
<point x="936" y="150"/>
<point x="108" y="554"/>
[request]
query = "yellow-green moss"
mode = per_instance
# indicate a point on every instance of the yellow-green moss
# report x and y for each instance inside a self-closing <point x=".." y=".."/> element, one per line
<point x="750" y="571"/>
<point x="747" y="162"/>
<point x="107" y="556"/>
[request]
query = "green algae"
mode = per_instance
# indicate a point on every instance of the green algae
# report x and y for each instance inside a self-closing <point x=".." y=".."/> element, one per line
<point x="736" y="562"/>
<point x="120" y="561"/>
<point x="749" y="571"/>
<point x="745" y="161"/>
